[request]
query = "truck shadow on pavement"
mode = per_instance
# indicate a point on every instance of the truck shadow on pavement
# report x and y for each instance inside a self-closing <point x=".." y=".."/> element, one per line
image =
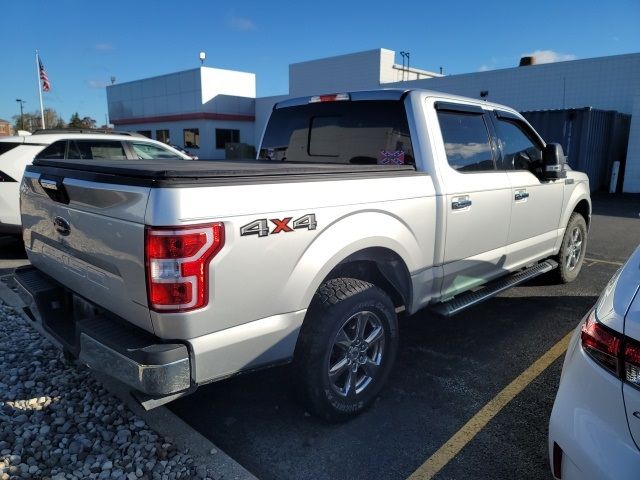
<point x="446" y="370"/>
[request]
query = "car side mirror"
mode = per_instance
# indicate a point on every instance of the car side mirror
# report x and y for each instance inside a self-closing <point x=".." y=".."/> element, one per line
<point x="553" y="160"/>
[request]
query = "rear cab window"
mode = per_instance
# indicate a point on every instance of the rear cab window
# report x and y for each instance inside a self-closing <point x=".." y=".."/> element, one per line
<point x="367" y="132"/>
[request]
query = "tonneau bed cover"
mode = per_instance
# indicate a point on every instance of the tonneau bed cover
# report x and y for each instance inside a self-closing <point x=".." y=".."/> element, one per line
<point x="169" y="171"/>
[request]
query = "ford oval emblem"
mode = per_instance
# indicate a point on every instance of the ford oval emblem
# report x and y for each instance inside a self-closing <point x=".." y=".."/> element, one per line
<point x="62" y="226"/>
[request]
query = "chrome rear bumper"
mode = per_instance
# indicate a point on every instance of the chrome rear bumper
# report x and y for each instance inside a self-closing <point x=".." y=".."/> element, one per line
<point x="103" y="343"/>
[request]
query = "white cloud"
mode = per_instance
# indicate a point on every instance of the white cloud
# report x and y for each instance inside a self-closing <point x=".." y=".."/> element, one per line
<point x="97" y="83"/>
<point x="104" y="47"/>
<point x="484" y="68"/>
<point x="241" y="24"/>
<point x="549" y="56"/>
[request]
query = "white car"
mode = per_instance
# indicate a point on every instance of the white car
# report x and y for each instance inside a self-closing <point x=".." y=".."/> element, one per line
<point x="594" y="431"/>
<point x="19" y="151"/>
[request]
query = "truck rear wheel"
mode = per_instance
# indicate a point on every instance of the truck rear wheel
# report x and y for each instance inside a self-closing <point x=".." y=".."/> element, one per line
<point x="573" y="248"/>
<point x="346" y="349"/>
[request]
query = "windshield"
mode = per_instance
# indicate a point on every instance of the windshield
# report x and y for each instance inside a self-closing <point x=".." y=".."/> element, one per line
<point x="348" y="132"/>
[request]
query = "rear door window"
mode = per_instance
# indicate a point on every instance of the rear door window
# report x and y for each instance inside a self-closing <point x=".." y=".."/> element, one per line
<point x="466" y="141"/>
<point x="97" y="149"/>
<point x="347" y="132"/>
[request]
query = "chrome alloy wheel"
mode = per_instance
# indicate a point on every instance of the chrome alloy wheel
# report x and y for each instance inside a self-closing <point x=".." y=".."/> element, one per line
<point x="356" y="354"/>
<point x="574" y="249"/>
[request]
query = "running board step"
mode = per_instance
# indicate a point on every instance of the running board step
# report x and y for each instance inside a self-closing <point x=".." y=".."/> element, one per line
<point x="468" y="299"/>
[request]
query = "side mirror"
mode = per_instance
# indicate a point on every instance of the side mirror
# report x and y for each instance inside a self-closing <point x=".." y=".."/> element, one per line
<point x="553" y="161"/>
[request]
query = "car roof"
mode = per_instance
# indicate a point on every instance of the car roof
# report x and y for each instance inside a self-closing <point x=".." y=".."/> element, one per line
<point x="43" y="138"/>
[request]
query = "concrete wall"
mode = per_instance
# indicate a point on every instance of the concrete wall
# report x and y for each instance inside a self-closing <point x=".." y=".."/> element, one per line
<point x="609" y="83"/>
<point x="200" y="90"/>
<point x="173" y="93"/>
<point x="355" y="71"/>
<point x="344" y="73"/>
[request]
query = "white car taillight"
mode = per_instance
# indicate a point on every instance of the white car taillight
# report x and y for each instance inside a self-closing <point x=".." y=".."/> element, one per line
<point x="177" y="265"/>
<point x="614" y="352"/>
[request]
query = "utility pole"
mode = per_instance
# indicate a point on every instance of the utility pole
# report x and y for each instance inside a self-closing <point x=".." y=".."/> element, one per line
<point x="21" y="102"/>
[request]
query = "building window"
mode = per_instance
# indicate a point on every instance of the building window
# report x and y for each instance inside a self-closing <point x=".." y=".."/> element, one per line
<point x="191" y="138"/>
<point x="224" y="136"/>
<point x="162" y="136"/>
<point x="146" y="133"/>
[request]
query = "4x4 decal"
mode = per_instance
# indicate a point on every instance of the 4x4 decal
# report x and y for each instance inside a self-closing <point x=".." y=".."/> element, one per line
<point x="261" y="227"/>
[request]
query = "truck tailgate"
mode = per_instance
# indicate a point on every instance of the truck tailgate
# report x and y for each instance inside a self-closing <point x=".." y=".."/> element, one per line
<point x="89" y="236"/>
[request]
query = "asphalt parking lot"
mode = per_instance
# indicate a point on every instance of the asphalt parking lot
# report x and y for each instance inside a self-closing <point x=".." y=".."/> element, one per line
<point x="447" y="370"/>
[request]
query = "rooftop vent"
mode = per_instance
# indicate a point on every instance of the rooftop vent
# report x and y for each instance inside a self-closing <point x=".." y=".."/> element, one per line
<point x="525" y="61"/>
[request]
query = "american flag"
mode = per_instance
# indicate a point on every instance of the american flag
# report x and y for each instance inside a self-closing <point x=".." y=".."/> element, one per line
<point x="46" y="86"/>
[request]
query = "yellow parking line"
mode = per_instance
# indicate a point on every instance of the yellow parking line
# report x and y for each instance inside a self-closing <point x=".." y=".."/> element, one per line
<point x="462" y="437"/>
<point x="595" y="260"/>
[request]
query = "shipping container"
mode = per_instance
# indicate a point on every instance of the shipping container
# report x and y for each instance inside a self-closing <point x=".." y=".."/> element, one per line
<point x="592" y="140"/>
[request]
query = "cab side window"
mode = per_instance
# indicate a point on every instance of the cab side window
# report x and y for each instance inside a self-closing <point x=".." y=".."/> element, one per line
<point x="466" y="141"/>
<point x="519" y="150"/>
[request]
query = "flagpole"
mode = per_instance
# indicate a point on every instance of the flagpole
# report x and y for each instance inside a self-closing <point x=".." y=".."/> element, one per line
<point x="40" y="90"/>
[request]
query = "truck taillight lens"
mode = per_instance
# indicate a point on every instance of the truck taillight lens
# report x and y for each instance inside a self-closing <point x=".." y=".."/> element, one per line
<point x="177" y="263"/>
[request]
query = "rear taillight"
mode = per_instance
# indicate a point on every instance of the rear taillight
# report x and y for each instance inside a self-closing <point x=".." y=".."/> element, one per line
<point x="616" y="353"/>
<point x="632" y="362"/>
<point x="177" y="264"/>
<point x="601" y="343"/>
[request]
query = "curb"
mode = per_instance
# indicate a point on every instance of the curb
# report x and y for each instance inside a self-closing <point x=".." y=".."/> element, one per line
<point x="160" y="419"/>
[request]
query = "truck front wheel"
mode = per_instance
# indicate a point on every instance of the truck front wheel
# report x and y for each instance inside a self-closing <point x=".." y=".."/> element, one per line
<point x="347" y="347"/>
<point x="572" y="249"/>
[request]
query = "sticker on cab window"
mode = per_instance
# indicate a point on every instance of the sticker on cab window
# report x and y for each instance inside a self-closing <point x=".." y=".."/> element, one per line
<point x="391" y="157"/>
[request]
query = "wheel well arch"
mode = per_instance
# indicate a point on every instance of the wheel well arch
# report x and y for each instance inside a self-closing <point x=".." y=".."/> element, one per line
<point x="584" y="209"/>
<point x="380" y="266"/>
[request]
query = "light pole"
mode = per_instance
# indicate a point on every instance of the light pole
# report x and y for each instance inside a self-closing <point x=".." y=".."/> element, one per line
<point x="21" y="102"/>
<point x="202" y="56"/>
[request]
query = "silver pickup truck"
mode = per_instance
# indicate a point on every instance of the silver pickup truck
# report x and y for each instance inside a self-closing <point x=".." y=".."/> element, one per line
<point x="362" y="206"/>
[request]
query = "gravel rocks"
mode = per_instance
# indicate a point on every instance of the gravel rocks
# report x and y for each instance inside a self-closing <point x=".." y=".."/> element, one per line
<point x="58" y="423"/>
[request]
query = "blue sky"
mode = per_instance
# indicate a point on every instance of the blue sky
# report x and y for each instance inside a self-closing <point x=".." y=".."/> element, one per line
<point x="83" y="44"/>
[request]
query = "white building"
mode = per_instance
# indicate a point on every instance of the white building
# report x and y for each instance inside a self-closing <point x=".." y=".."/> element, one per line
<point x="216" y="102"/>
<point x="606" y="83"/>
<point x="202" y="109"/>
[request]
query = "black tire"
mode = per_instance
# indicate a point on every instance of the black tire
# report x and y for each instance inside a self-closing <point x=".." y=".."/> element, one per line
<point x="330" y="334"/>
<point x="572" y="249"/>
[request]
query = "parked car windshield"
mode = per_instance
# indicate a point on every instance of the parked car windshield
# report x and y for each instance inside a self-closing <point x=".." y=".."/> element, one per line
<point x="348" y="132"/>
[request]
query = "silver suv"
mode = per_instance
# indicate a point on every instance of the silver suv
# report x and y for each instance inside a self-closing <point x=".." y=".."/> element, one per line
<point x="19" y="151"/>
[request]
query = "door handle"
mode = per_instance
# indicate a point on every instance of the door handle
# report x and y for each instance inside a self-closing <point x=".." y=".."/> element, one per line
<point x="521" y="195"/>
<point x="459" y="204"/>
